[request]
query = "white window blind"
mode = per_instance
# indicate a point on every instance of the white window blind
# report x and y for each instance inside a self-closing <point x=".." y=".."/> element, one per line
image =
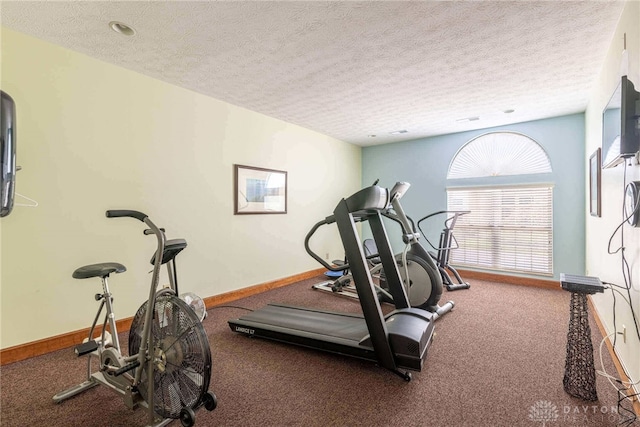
<point x="499" y="154"/>
<point x="509" y="228"/>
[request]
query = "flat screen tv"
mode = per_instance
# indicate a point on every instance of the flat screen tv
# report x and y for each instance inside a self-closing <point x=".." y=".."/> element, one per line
<point x="621" y="125"/>
<point x="7" y="153"/>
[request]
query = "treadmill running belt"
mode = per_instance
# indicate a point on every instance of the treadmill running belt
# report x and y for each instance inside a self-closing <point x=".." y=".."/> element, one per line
<point x="339" y="325"/>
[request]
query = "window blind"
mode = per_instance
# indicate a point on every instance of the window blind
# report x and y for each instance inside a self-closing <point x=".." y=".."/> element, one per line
<point x="509" y="228"/>
<point x="499" y="154"/>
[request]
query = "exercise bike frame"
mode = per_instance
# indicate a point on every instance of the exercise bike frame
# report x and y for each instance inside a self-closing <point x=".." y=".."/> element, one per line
<point x="119" y="379"/>
<point x="143" y="355"/>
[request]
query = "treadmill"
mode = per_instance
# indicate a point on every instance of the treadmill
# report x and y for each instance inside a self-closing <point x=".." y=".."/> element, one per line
<point x="396" y="341"/>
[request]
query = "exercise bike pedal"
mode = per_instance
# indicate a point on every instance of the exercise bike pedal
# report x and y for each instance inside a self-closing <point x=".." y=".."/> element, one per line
<point x="86" y="348"/>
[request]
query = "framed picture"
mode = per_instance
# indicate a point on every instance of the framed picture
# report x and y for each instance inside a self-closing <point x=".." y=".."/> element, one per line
<point x="594" y="183"/>
<point x="259" y="191"/>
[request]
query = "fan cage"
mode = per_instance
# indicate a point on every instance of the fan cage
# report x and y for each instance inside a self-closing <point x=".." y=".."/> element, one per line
<point x="181" y="353"/>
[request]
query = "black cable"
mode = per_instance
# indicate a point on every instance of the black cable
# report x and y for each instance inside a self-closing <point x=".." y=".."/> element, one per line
<point x="621" y="248"/>
<point x="624" y="216"/>
<point x="626" y="271"/>
<point x="630" y="304"/>
<point x="615" y="330"/>
<point x="613" y="284"/>
<point x="621" y="294"/>
<point x="632" y="417"/>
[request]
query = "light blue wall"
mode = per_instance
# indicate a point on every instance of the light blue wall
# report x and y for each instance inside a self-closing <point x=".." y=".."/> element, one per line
<point x="424" y="164"/>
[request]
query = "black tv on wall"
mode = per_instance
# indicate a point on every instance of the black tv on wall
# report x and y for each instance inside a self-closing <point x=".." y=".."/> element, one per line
<point x="621" y="125"/>
<point x="7" y="153"/>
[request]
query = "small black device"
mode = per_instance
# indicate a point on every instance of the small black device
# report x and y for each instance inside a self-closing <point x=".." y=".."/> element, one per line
<point x="581" y="284"/>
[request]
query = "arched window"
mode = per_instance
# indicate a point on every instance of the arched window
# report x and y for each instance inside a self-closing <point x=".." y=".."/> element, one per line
<point x="510" y="227"/>
<point x="499" y="154"/>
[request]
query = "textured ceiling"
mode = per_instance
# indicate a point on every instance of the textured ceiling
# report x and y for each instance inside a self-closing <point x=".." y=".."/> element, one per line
<point x="351" y="69"/>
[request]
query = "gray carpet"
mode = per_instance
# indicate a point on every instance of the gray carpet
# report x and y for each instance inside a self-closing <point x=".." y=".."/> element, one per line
<point x="496" y="360"/>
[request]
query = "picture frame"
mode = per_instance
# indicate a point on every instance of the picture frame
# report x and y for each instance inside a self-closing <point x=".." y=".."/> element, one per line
<point x="595" y="164"/>
<point x="259" y="190"/>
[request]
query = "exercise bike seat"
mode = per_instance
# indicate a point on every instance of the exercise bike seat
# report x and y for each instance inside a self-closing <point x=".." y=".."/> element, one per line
<point x="171" y="248"/>
<point x="103" y="269"/>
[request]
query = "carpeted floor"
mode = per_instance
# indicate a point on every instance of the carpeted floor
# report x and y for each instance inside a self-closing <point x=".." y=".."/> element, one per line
<point x="497" y="360"/>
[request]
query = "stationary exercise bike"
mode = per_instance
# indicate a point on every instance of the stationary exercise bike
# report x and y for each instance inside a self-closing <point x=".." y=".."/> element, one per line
<point x="169" y="364"/>
<point x="443" y="251"/>
<point x="418" y="270"/>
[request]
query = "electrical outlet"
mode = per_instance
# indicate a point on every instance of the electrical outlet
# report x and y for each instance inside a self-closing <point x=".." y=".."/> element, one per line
<point x="326" y="255"/>
<point x="624" y="334"/>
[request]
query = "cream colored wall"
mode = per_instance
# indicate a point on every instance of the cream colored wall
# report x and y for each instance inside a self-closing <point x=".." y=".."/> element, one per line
<point x="92" y="137"/>
<point x="599" y="262"/>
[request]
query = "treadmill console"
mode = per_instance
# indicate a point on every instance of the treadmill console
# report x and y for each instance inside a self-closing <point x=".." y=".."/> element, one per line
<point x="372" y="198"/>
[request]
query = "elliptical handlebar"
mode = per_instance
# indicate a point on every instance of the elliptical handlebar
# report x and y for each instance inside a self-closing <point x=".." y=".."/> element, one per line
<point x="449" y="223"/>
<point x="456" y="215"/>
<point x="394" y="217"/>
<point x="328" y="220"/>
<point x="314" y="255"/>
<point x="399" y="189"/>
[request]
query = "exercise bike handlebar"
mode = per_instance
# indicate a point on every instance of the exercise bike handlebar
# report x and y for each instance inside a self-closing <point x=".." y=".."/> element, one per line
<point x="155" y="279"/>
<point x="117" y="213"/>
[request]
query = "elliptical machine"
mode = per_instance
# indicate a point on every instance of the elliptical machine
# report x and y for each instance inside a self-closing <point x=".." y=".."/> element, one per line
<point x="418" y="271"/>
<point x="443" y="251"/>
